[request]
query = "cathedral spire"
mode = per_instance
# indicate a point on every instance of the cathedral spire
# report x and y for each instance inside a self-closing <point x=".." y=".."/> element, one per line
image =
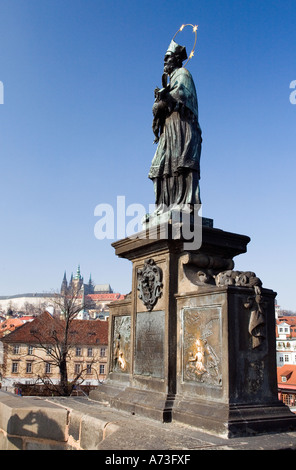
<point x="78" y="275"/>
<point x="90" y="287"/>
<point x="64" y="285"/>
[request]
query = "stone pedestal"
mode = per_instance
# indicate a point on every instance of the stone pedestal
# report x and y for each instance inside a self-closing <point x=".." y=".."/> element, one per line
<point x="194" y="341"/>
<point x="226" y="382"/>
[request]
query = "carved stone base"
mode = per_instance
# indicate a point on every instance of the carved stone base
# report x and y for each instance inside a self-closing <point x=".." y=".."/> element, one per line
<point x="148" y="403"/>
<point x="194" y="342"/>
<point x="226" y="371"/>
<point x="234" y="420"/>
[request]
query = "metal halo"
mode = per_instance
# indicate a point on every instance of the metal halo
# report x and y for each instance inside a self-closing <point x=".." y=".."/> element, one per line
<point x="194" y="30"/>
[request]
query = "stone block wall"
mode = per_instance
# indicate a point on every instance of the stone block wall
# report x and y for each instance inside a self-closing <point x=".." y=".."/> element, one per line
<point x="32" y="423"/>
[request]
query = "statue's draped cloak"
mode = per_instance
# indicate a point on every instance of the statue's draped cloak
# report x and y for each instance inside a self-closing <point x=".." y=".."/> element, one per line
<point x="179" y="145"/>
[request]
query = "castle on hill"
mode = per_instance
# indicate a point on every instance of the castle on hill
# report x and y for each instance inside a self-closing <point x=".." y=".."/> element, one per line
<point x="77" y="281"/>
<point x="96" y="296"/>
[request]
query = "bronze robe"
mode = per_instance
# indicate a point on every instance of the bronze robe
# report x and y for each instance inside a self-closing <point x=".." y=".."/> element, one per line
<point x="175" y="168"/>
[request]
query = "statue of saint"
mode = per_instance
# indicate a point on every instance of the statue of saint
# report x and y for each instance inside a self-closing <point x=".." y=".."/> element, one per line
<point x="175" y="168"/>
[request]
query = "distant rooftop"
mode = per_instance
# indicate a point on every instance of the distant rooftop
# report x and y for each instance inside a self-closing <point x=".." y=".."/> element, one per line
<point x="103" y="288"/>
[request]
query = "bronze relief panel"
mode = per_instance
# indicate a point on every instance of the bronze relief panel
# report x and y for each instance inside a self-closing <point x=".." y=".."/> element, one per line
<point x="202" y="348"/>
<point x="121" y="344"/>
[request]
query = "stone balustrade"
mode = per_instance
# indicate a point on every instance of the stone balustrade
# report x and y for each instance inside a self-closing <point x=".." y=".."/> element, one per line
<point x="73" y="423"/>
<point x="33" y="423"/>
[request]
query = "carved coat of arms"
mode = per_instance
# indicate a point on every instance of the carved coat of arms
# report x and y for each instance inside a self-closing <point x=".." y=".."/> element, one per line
<point x="150" y="284"/>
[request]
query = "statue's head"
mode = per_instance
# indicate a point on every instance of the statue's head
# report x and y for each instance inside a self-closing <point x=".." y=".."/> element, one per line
<point x="174" y="57"/>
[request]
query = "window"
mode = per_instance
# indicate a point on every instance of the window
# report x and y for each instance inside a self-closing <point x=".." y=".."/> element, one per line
<point x="286" y="357"/>
<point x="88" y="368"/>
<point x="30" y="350"/>
<point x="78" y="351"/>
<point x="29" y="367"/>
<point x="89" y="352"/>
<point x="14" y="368"/>
<point x="77" y="368"/>
<point x="102" y="368"/>
<point x="289" y="399"/>
<point x="281" y="359"/>
<point x="16" y="349"/>
<point x="49" y="350"/>
<point x="47" y="368"/>
<point x="103" y="352"/>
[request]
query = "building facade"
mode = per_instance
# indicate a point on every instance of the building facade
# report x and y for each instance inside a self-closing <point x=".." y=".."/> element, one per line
<point x="286" y="341"/>
<point x="286" y="377"/>
<point x="286" y="359"/>
<point x="28" y="358"/>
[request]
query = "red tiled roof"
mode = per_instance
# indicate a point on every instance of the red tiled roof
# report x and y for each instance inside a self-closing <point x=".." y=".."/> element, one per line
<point x="291" y="321"/>
<point x="45" y="327"/>
<point x="110" y="297"/>
<point x="289" y="372"/>
<point x="10" y="325"/>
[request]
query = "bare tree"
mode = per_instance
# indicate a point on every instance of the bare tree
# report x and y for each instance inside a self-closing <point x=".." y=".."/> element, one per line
<point x="33" y="309"/>
<point x="56" y="338"/>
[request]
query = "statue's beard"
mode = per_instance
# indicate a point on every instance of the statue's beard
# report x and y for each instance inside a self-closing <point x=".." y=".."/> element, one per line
<point x="169" y="69"/>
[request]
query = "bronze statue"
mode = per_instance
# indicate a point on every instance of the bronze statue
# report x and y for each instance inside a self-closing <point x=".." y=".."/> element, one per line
<point x="175" y="168"/>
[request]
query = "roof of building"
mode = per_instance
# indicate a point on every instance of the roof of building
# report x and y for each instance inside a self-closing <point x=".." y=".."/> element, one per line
<point x="103" y="288"/>
<point x="26" y="318"/>
<point x="9" y="325"/>
<point x="109" y="297"/>
<point x="45" y="328"/>
<point x="288" y="372"/>
<point x="291" y="321"/>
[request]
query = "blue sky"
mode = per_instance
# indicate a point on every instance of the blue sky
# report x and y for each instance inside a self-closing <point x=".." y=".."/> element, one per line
<point x="75" y="130"/>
